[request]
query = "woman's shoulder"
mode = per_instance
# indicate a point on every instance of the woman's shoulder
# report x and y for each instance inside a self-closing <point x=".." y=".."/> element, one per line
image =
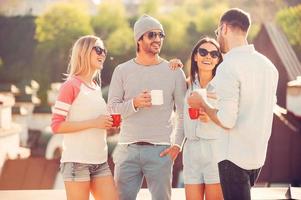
<point x="71" y="83"/>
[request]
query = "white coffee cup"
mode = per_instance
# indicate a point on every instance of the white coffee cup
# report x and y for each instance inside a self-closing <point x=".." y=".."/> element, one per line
<point x="157" y="97"/>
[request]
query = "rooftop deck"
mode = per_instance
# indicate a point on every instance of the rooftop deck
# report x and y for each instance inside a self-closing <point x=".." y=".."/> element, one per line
<point x="177" y="194"/>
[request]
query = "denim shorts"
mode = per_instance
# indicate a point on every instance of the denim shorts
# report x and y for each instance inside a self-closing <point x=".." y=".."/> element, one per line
<point x="72" y="171"/>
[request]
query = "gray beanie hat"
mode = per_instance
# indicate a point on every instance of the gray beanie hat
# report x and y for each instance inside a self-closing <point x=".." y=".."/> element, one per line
<point x="145" y="23"/>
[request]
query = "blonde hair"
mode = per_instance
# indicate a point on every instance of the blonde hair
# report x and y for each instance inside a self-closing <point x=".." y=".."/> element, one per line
<point x="80" y="60"/>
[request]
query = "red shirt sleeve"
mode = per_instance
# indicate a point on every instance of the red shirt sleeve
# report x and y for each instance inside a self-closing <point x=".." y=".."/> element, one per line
<point x="68" y="92"/>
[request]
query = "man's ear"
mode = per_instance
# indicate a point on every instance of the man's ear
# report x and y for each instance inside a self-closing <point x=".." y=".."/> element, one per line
<point x="138" y="45"/>
<point x="140" y="40"/>
<point x="224" y="29"/>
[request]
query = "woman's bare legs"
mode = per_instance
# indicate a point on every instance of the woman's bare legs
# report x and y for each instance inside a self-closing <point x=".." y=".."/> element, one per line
<point x="198" y="191"/>
<point x="77" y="190"/>
<point x="194" y="191"/>
<point x="103" y="188"/>
<point x="213" y="192"/>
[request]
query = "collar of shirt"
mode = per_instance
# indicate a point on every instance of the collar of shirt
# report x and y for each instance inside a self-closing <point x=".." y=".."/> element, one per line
<point x="245" y="48"/>
<point x="196" y="84"/>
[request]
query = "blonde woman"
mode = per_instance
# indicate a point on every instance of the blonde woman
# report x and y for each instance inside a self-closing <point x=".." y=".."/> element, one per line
<point x="80" y="114"/>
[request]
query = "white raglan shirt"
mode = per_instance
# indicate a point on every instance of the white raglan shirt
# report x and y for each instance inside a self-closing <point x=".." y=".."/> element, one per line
<point x="79" y="102"/>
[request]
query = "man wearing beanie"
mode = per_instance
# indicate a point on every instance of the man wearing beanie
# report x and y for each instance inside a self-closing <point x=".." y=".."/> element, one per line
<point x="145" y="148"/>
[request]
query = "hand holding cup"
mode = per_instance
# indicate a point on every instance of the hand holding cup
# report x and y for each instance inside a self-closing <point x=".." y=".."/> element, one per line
<point x="203" y="117"/>
<point x="197" y="98"/>
<point x="143" y="100"/>
<point x="103" y="122"/>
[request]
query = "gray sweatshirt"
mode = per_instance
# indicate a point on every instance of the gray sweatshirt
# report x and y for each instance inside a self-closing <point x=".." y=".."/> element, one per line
<point x="148" y="124"/>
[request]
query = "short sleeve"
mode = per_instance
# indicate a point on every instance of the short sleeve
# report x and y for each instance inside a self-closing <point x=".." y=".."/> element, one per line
<point x="68" y="92"/>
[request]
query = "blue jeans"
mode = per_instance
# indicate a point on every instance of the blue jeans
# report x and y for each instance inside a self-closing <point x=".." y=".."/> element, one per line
<point x="133" y="162"/>
<point x="236" y="182"/>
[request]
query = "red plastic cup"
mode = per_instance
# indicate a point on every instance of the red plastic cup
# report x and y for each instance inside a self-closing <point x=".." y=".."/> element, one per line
<point x="193" y="113"/>
<point x="116" y="119"/>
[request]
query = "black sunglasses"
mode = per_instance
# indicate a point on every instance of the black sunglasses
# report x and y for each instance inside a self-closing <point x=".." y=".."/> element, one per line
<point x="204" y="52"/>
<point x="99" y="51"/>
<point x="153" y="35"/>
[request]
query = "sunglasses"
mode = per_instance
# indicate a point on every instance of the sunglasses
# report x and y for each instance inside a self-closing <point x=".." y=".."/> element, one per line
<point x="204" y="52"/>
<point x="153" y="35"/>
<point x="99" y="51"/>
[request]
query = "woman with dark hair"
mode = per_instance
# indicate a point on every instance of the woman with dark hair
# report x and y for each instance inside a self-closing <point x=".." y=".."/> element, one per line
<point x="201" y="176"/>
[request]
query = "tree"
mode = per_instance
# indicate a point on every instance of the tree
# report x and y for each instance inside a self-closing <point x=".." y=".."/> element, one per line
<point x="150" y="7"/>
<point x="175" y="31"/>
<point x="111" y="24"/>
<point x="290" y="21"/>
<point x="121" y="47"/>
<point x="261" y="11"/>
<point x="207" y="19"/>
<point x="111" y="16"/>
<point x="56" y="30"/>
<point x="61" y="25"/>
<point x="186" y="23"/>
<point x="121" y="41"/>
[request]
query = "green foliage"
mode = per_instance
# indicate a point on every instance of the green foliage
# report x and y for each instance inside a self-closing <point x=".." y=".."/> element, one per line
<point x="150" y="7"/>
<point x="175" y="35"/>
<point x="290" y="21"/>
<point x="189" y="21"/>
<point x="121" y="41"/>
<point x="112" y="25"/>
<point x="61" y="24"/>
<point x="110" y="17"/>
<point x="207" y="20"/>
<point x="254" y="30"/>
<point x="56" y="31"/>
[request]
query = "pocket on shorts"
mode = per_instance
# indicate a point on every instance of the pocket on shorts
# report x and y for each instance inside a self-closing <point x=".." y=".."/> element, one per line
<point x="79" y="167"/>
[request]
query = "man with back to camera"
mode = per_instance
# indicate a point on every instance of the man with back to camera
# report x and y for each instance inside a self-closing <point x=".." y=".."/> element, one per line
<point x="145" y="148"/>
<point x="246" y="84"/>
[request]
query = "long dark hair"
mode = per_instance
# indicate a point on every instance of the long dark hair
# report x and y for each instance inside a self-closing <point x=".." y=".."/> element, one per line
<point x="194" y="66"/>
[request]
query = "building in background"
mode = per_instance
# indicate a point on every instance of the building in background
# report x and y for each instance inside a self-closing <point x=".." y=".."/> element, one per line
<point x="283" y="161"/>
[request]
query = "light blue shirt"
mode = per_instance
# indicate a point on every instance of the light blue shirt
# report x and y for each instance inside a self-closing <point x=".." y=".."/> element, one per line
<point x="195" y="129"/>
<point x="246" y="84"/>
